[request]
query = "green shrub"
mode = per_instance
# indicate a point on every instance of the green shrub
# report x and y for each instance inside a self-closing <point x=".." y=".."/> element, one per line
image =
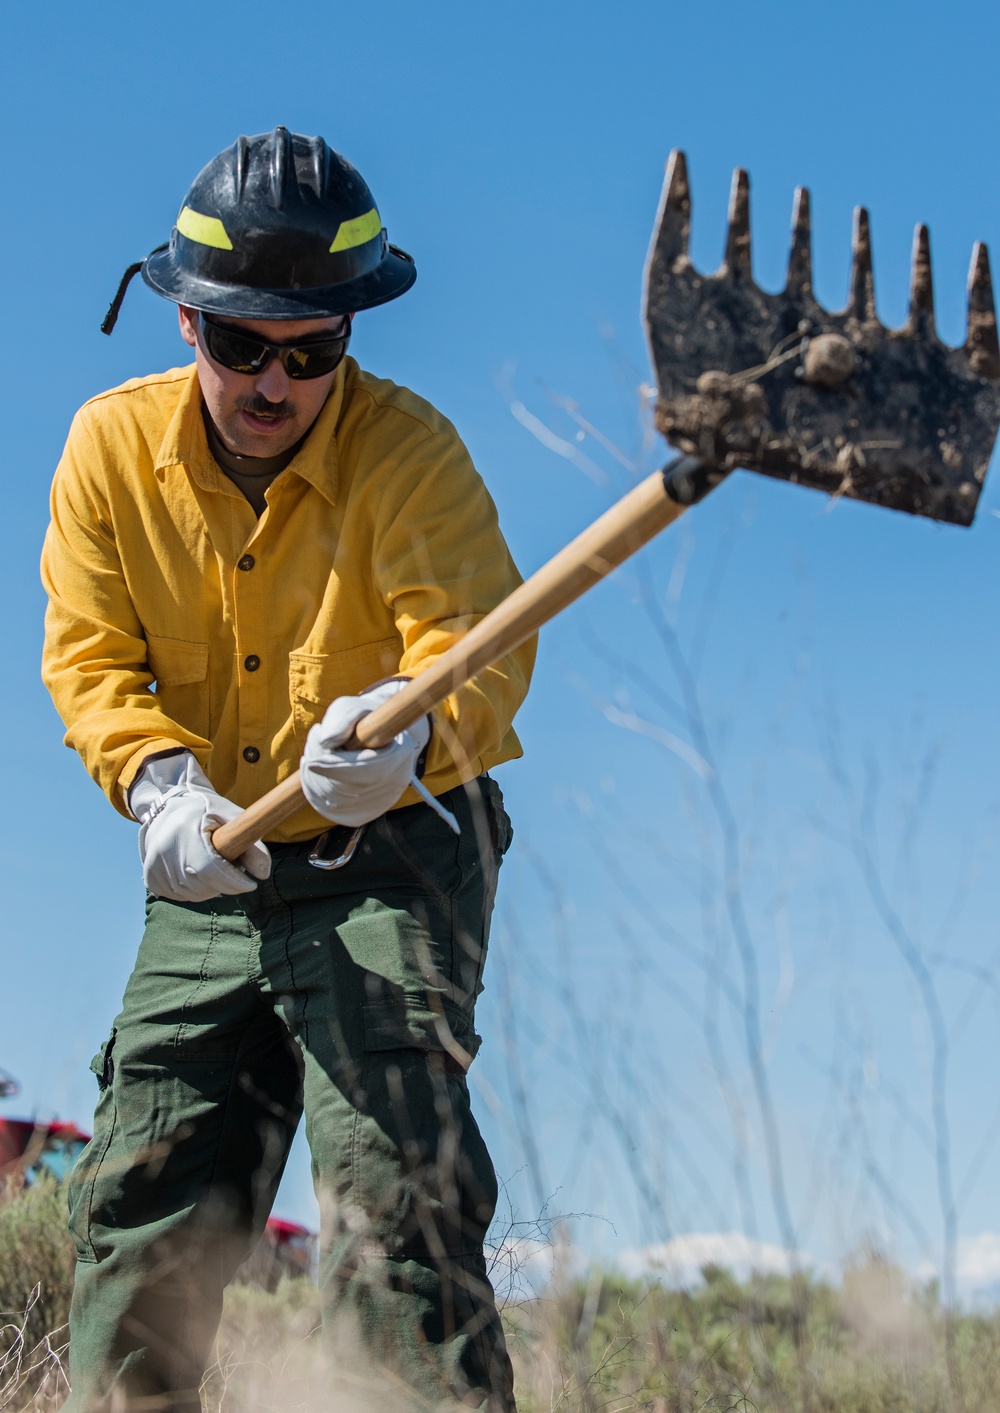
<point x="36" y="1250"/>
<point x="878" y="1344"/>
<point x="36" y="1281"/>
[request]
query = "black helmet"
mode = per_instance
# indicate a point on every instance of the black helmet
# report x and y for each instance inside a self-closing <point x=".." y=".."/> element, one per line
<point x="278" y="226"/>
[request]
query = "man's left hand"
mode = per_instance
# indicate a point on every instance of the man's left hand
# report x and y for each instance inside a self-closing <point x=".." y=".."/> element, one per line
<point x="355" y="786"/>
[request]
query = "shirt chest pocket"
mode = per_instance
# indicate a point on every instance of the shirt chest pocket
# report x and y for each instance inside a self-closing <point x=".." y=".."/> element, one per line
<point x="181" y="686"/>
<point x="315" y="679"/>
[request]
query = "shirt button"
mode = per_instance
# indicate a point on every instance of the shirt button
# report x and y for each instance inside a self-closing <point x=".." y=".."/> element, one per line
<point x="251" y="663"/>
<point x="251" y="755"/>
<point x="246" y="563"/>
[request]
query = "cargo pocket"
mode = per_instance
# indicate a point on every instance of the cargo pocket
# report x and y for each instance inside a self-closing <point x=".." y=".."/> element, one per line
<point x="421" y="1172"/>
<point x="317" y="679"/>
<point x="84" y="1175"/>
<point x="413" y="1022"/>
<point x="180" y="670"/>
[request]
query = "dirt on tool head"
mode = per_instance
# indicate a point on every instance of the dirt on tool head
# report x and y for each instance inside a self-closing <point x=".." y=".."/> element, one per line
<point x="776" y="383"/>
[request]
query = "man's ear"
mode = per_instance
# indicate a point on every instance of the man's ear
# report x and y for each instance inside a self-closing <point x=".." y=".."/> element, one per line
<point x="188" y="320"/>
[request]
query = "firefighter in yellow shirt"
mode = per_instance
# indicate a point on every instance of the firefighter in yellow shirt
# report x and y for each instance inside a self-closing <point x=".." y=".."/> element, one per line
<point x="245" y="556"/>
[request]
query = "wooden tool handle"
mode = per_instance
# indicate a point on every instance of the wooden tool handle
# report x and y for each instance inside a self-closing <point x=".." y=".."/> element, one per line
<point x="618" y="534"/>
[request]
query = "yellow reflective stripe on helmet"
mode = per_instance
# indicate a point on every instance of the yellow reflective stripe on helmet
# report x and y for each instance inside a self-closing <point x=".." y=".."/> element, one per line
<point x="206" y="230"/>
<point x="357" y="231"/>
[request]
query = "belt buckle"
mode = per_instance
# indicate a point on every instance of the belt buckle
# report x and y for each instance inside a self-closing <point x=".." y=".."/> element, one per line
<point x="336" y="847"/>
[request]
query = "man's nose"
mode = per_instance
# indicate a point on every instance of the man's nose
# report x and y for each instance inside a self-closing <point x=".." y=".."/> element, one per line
<point x="273" y="382"/>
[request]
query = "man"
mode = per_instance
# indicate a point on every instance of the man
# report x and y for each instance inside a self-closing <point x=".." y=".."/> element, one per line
<point x="234" y="546"/>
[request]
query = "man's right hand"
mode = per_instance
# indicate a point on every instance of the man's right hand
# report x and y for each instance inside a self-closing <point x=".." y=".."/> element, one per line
<point x="178" y="811"/>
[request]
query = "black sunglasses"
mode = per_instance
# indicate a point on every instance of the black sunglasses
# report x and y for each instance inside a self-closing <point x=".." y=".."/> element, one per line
<point x="248" y="353"/>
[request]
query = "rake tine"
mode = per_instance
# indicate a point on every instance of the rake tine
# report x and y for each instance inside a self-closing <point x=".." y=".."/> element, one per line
<point x="675" y="217"/>
<point x="861" y="302"/>
<point x="799" y="279"/>
<point x="921" y="316"/>
<point x="737" y="259"/>
<point x="981" y="342"/>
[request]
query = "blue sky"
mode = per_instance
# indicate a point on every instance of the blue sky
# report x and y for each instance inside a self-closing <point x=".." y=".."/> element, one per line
<point x="844" y="659"/>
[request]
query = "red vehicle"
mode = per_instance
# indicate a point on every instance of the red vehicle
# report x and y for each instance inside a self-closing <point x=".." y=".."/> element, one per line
<point x="34" y="1148"/>
<point x="29" y="1147"/>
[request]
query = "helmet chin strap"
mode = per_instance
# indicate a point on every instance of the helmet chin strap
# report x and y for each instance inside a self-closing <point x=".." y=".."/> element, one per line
<point x="111" y="317"/>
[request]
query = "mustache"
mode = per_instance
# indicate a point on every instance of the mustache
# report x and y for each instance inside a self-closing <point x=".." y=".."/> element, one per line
<point x="259" y="405"/>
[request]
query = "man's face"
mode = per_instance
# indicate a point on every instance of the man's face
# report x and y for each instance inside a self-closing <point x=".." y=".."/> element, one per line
<point x="265" y="413"/>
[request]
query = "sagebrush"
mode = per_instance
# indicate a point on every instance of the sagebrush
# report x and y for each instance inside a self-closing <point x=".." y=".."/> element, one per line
<point x="36" y="1281"/>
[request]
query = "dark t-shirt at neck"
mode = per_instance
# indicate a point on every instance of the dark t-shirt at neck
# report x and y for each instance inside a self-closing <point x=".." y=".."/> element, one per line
<point x="250" y="474"/>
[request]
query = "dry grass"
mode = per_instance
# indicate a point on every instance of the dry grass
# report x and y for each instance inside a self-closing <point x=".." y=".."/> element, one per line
<point x="36" y="1278"/>
<point x="268" y="1354"/>
<point x="874" y="1344"/>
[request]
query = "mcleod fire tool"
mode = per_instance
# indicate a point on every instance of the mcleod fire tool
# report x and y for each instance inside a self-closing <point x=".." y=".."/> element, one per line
<point x="769" y="382"/>
<point x="775" y="383"/>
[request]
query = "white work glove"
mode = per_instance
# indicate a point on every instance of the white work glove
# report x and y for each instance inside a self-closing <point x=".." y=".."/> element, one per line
<point x="353" y="787"/>
<point x="177" y="810"/>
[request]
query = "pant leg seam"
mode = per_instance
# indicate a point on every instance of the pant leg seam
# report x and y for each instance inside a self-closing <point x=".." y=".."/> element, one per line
<point x="202" y="982"/>
<point x="298" y="994"/>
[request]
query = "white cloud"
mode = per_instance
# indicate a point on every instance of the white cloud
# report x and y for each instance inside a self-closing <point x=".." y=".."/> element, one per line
<point x="524" y="1266"/>
<point x="977" y="1265"/>
<point x="679" y="1261"/>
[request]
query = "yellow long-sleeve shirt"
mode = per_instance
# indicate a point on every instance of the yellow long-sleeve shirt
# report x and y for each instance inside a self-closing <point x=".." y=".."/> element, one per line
<point x="177" y="618"/>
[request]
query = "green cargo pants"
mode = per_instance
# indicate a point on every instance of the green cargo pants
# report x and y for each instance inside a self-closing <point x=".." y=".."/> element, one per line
<point x="350" y="993"/>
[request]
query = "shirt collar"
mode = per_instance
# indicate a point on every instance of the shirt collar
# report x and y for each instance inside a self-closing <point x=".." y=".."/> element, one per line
<point x="185" y="443"/>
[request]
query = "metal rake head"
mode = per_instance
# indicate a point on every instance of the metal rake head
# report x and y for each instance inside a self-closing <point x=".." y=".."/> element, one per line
<point x="776" y="383"/>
